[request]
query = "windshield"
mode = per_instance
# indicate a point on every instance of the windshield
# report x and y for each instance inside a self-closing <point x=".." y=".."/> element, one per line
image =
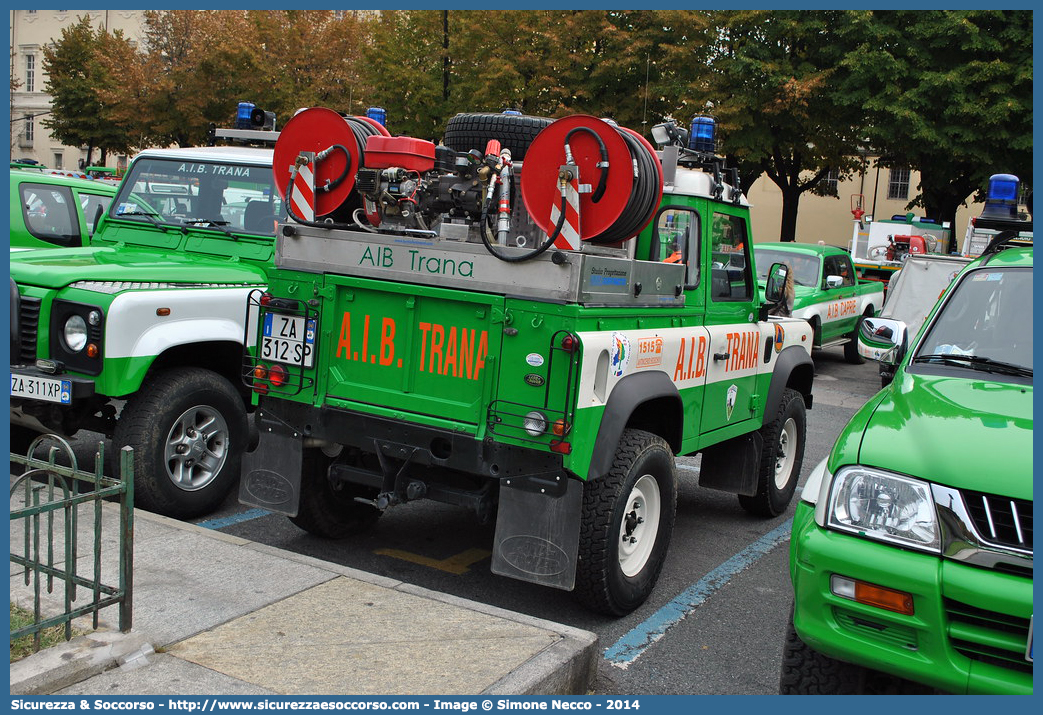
<point x="804" y="267"/>
<point x="988" y="316"/>
<point x="233" y="197"/>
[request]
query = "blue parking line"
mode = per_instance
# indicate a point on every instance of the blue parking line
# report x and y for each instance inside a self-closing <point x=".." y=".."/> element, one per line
<point x="634" y="643"/>
<point x="233" y="519"/>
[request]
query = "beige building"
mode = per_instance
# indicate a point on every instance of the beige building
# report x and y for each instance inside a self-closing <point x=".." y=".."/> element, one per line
<point x="31" y="31"/>
<point x="885" y="191"/>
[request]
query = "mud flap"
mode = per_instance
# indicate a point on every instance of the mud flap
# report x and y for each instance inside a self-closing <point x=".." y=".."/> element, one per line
<point x="271" y="474"/>
<point x="733" y="465"/>
<point x="537" y="534"/>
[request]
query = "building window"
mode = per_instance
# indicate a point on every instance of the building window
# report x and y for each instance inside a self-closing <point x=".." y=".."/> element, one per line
<point x="59" y="160"/>
<point x="830" y="181"/>
<point x="898" y="184"/>
<point x="30" y="73"/>
<point x="29" y="131"/>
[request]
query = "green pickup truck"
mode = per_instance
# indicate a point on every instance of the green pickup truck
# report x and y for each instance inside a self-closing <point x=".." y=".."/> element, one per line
<point x="911" y="551"/>
<point x="138" y="336"/>
<point x="455" y="346"/>
<point x="827" y="293"/>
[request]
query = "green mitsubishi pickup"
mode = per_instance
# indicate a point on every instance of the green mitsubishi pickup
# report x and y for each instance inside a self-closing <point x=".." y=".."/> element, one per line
<point x="911" y="551"/>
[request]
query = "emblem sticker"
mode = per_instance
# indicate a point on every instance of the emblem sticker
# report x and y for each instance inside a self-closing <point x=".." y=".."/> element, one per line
<point x="534" y="379"/>
<point x="780" y="337"/>
<point x="534" y="359"/>
<point x="619" y="353"/>
<point x="729" y="403"/>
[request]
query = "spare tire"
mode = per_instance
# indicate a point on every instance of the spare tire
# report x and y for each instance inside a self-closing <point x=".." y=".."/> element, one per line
<point x="468" y="131"/>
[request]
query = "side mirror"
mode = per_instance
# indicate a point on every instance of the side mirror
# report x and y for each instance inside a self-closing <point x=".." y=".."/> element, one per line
<point x="775" y="288"/>
<point x="883" y="340"/>
<point x="834" y="281"/>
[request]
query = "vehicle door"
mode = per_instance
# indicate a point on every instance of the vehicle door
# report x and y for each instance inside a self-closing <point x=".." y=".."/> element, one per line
<point x="842" y="306"/>
<point x="734" y="351"/>
<point x="92" y="207"/>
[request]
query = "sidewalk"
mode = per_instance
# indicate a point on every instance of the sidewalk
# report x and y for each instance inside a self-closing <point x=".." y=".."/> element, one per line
<point x="219" y="615"/>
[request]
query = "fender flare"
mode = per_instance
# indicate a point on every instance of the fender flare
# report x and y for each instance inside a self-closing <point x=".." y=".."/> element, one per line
<point x="793" y="359"/>
<point x="626" y="397"/>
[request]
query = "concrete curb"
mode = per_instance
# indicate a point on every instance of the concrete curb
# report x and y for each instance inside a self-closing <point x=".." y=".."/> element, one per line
<point x="567" y="666"/>
<point x="69" y="663"/>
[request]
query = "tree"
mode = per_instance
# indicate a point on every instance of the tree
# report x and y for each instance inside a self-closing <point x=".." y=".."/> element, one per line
<point x="404" y="70"/>
<point x="76" y="80"/>
<point x="770" y="82"/>
<point x="948" y="93"/>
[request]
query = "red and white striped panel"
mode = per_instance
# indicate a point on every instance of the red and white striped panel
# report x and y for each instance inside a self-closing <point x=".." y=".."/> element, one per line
<point x="302" y="193"/>
<point x="569" y="238"/>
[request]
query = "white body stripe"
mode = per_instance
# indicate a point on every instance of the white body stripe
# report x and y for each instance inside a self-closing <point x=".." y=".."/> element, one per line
<point x="841" y="309"/>
<point x="132" y="328"/>
<point x="685" y="355"/>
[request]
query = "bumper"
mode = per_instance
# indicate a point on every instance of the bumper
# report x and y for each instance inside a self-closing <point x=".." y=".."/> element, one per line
<point x="72" y="401"/>
<point x="81" y="388"/>
<point x="967" y="635"/>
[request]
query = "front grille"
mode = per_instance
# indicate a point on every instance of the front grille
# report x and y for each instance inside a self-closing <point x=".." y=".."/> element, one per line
<point x="28" y="324"/>
<point x="988" y="636"/>
<point x="1001" y="520"/>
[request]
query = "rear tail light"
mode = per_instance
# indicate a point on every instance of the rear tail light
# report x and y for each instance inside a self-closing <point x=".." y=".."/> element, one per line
<point x="277" y="375"/>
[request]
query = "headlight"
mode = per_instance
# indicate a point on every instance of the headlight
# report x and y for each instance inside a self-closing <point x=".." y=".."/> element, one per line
<point x="884" y="506"/>
<point x="75" y="333"/>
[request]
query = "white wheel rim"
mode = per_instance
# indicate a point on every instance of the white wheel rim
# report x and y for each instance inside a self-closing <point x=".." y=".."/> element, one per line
<point x="640" y="525"/>
<point x="196" y="448"/>
<point x="785" y="454"/>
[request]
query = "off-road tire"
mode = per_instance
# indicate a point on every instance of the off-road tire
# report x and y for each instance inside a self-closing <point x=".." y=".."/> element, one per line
<point x="851" y="354"/>
<point x="642" y="472"/>
<point x="807" y="672"/>
<point x="781" y="459"/>
<point x="164" y="415"/>
<point x="328" y="512"/>
<point x="468" y="131"/>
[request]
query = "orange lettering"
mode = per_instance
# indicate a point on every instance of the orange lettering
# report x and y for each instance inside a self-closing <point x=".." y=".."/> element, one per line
<point x="387" y="341"/>
<point x="700" y="362"/>
<point x="344" y="343"/>
<point x="365" y="340"/>
<point x="679" y="367"/>
<point x="483" y="350"/>
<point x="437" y="338"/>
<point x="450" y="352"/>
<point x="424" y="328"/>
<point x="466" y="351"/>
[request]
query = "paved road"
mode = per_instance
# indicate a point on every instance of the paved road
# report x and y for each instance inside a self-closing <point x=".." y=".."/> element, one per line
<point x="714" y="624"/>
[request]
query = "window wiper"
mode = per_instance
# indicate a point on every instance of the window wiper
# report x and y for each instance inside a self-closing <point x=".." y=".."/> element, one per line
<point x="977" y="362"/>
<point x="210" y="223"/>
<point x="150" y="215"/>
<point x="207" y="221"/>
